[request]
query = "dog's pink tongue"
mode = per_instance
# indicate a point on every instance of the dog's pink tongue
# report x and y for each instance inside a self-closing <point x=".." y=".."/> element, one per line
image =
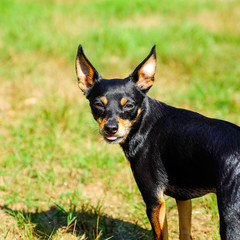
<point x="111" y="138"/>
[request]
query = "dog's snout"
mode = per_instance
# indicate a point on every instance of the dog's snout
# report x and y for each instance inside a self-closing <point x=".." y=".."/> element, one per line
<point x="110" y="128"/>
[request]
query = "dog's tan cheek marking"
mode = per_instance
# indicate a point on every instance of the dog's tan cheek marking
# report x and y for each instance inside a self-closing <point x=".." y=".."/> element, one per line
<point x="104" y="100"/>
<point x="123" y="101"/>
<point x="124" y="127"/>
<point x="101" y="122"/>
<point x="124" y="124"/>
<point x="138" y="113"/>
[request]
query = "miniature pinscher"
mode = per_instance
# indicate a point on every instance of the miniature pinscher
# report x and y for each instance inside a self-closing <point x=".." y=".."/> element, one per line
<point x="171" y="151"/>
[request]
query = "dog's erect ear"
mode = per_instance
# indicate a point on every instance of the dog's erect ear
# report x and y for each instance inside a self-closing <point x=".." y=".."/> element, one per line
<point x="143" y="75"/>
<point x="86" y="73"/>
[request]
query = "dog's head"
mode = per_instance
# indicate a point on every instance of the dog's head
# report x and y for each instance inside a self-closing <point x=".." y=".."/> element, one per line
<point x="115" y="103"/>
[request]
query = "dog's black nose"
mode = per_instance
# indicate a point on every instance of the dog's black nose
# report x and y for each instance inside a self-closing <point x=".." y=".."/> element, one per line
<point x="110" y="128"/>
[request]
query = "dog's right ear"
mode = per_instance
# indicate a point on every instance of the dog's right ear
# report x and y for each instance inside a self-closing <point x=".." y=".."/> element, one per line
<point x="143" y="75"/>
<point x="86" y="73"/>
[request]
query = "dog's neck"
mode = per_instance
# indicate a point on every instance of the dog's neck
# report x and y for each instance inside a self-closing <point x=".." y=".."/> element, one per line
<point x="142" y="127"/>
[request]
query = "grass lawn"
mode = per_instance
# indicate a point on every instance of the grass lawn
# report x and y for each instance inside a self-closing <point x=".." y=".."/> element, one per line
<point x="58" y="179"/>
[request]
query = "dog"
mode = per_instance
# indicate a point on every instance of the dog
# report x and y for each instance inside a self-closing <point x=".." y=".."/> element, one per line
<point x="172" y="151"/>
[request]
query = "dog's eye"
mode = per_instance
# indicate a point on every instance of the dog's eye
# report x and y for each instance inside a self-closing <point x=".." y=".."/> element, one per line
<point x="98" y="105"/>
<point x="128" y="106"/>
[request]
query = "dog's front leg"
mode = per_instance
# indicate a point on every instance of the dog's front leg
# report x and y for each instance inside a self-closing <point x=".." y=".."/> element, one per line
<point x="157" y="216"/>
<point x="185" y="215"/>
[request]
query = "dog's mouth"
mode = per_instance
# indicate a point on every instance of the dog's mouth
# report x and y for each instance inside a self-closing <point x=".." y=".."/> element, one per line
<point x="113" y="139"/>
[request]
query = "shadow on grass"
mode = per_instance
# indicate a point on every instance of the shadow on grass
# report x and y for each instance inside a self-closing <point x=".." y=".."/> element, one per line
<point x="87" y="221"/>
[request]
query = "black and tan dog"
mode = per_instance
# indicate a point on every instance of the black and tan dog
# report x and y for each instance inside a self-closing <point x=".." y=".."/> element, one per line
<point x="171" y="151"/>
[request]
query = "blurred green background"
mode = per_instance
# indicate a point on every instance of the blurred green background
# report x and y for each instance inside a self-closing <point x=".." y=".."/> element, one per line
<point x="58" y="179"/>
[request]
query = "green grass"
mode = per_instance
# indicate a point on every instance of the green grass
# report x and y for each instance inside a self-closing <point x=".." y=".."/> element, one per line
<point x="58" y="179"/>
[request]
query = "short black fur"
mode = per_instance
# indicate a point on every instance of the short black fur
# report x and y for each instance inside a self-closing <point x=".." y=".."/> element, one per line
<point x="175" y="151"/>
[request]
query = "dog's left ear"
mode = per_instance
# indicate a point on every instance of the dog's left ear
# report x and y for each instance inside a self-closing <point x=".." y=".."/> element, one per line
<point x="143" y="75"/>
<point x="86" y="73"/>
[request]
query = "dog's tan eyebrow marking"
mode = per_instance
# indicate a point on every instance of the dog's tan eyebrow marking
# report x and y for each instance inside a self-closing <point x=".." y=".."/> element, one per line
<point x="104" y="100"/>
<point x="123" y="101"/>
